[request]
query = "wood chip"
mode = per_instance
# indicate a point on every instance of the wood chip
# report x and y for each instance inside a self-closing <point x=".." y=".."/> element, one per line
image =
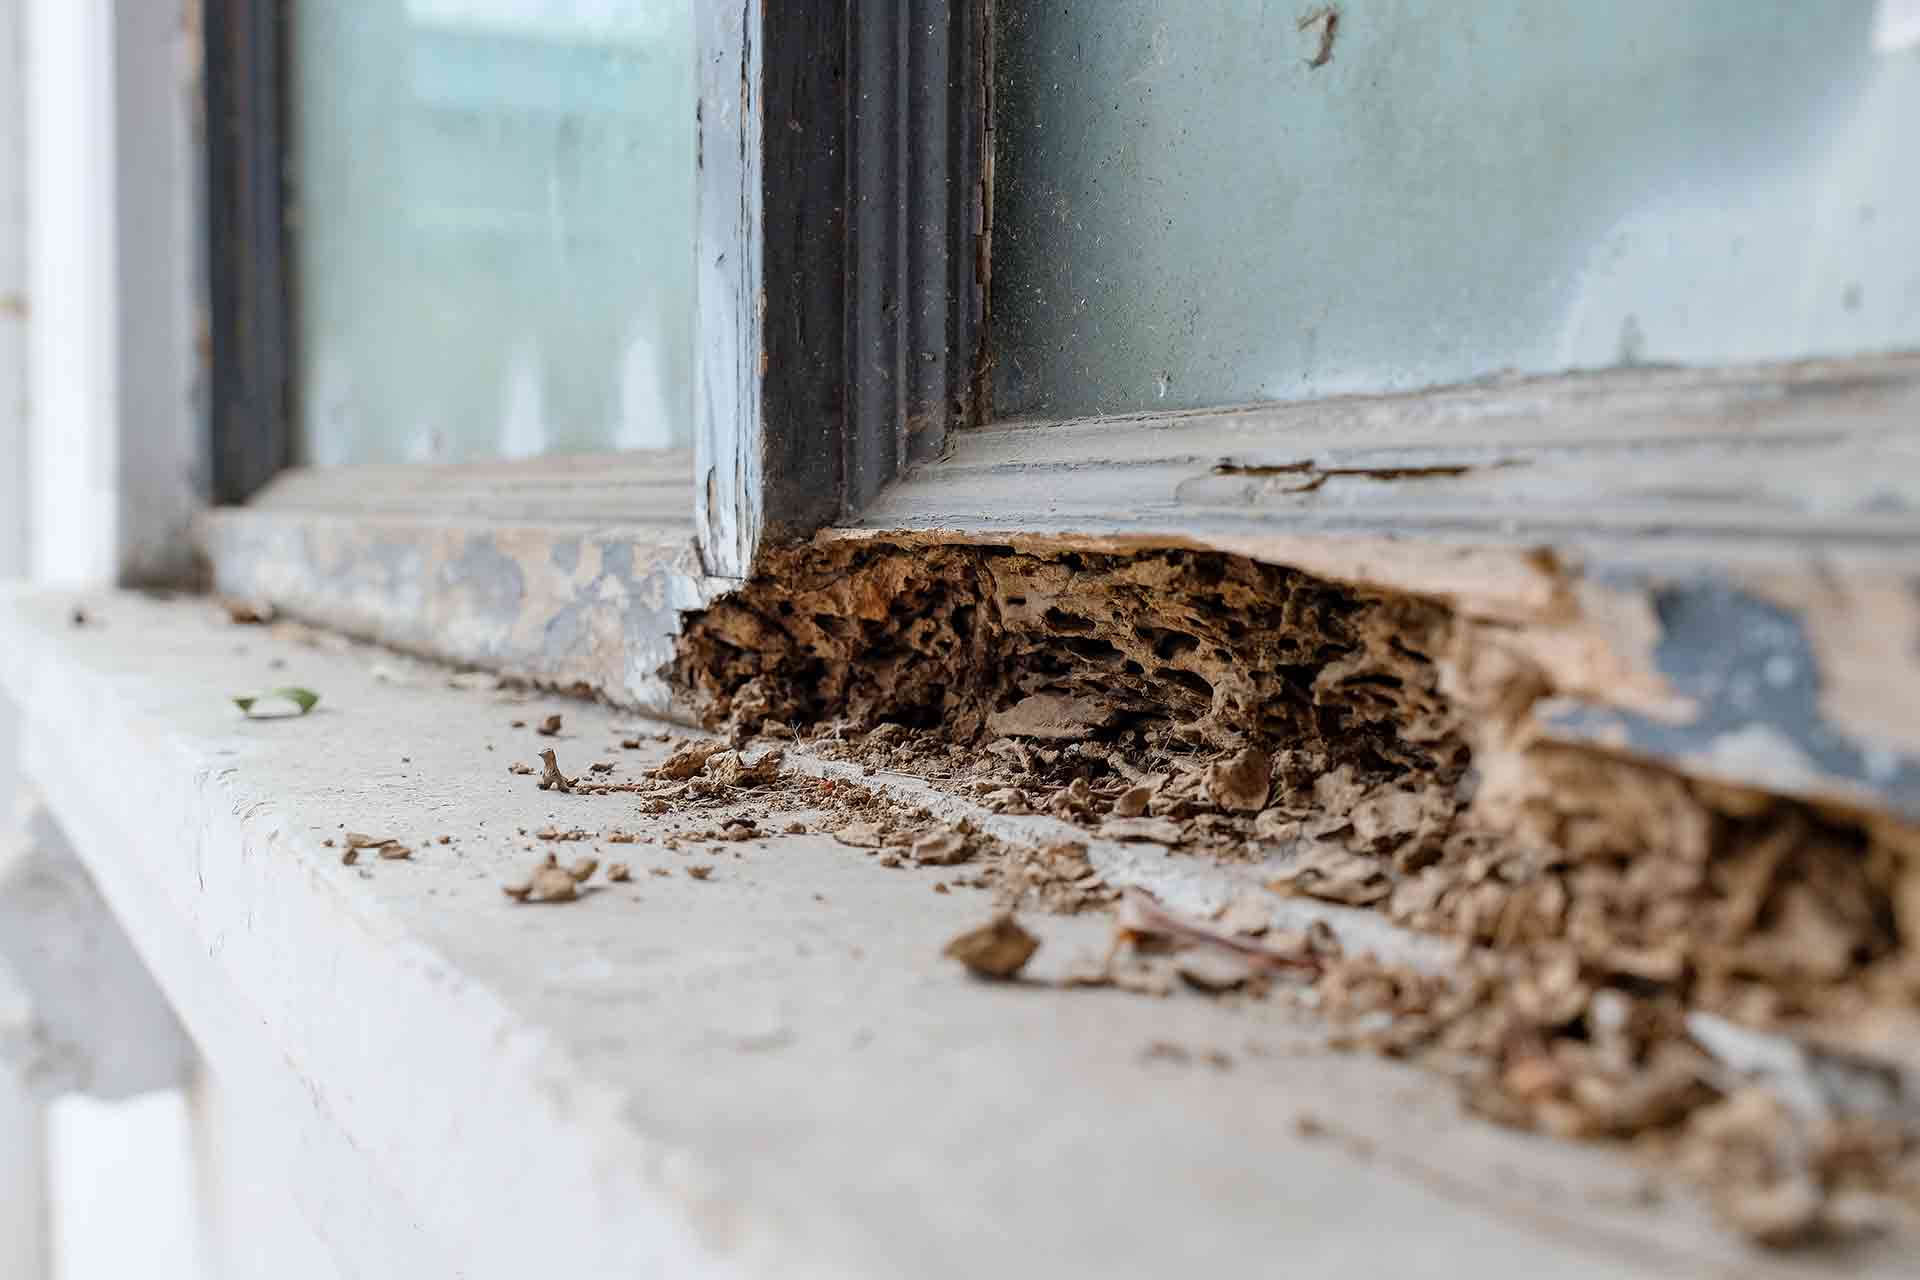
<point x="1239" y="784"/>
<point x="619" y="873"/>
<point x="1249" y="915"/>
<point x="1215" y="970"/>
<point x="1140" y="917"/>
<point x="1053" y="716"/>
<point x="1150" y="830"/>
<point x="549" y="882"/>
<point x="385" y="846"/>
<point x="247" y="612"/>
<point x="549" y="727"/>
<point x="551" y="779"/>
<point x="700" y="872"/>
<point x="860" y="835"/>
<point x="688" y="761"/>
<point x="942" y="849"/>
<point x="730" y="769"/>
<point x="998" y="949"/>
<point x="1133" y="802"/>
<point x="1329" y="872"/>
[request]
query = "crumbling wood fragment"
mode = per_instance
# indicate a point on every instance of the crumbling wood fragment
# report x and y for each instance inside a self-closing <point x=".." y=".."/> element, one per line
<point x="687" y="761"/>
<point x="550" y="882"/>
<point x="998" y="949"/>
<point x="1409" y="768"/>
<point x="941" y="849"/>
<point x="1139" y="919"/>
<point x="551" y="779"/>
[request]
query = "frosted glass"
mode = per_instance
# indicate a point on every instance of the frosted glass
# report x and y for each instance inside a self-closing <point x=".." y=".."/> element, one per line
<point x="493" y="219"/>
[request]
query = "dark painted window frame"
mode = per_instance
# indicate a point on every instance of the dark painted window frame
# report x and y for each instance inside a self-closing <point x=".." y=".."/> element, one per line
<point x="842" y="192"/>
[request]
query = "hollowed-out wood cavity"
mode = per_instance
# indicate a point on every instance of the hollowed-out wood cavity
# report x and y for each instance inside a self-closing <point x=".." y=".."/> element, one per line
<point x="1191" y="650"/>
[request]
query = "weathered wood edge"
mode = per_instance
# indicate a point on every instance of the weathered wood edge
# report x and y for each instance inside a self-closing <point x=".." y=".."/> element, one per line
<point x="840" y="274"/>
<point x="591" y="609"/>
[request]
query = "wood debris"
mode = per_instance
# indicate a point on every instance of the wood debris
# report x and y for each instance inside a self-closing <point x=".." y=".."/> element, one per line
<point x="700" y="872"/>
<point x="1053" y="715"/>
<point x="1150" y="830"/>
<point x="730" y="769"/>
<point x="687" y="761"/>
<point x="998" y="949"/>
<point x="1056" y="877"/>
<point x="1373" y="751"/>
<point x="619" y="873"/>
<point x="1140" y="920"/>
<point x="551" y="779"/>
<point x="860" y="835"/>
<point x="942" y="848"/>
<point x="382" y="846"/>
<point x="549" y="727"/>
<point x="551" y="882"/>
<point x="1240" y="783"/>
<point x="247" y="612"/>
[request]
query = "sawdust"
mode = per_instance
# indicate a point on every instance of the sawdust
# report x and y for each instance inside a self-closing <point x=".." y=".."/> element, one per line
<point x="1373" y="751"/>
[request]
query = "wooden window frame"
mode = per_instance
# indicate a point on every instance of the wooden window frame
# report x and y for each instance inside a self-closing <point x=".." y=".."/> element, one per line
<point x="841" y="311"/>
<point x="844" y="195"/>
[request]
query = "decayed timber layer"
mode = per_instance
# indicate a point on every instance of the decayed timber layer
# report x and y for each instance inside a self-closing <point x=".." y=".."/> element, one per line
<point x="1385" y="749"/>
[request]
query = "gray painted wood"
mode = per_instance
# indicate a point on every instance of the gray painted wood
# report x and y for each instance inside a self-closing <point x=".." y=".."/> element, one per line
<point x="1761" y="525"/>
<point x="726" y="400"/>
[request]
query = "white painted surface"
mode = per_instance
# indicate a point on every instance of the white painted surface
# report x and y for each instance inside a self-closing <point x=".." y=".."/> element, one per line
<point x="24" y="1242"/>
<point x="244" y="1170"/>
<point x="24" y="1250"/>
<point x="97" y="430"/>
<point x="111" y="266"/>
<point x="72" y="258"/>
<point x="98" y="1025"/>
<point x="123" y="1190"/>
<point x="771" y="1073"/>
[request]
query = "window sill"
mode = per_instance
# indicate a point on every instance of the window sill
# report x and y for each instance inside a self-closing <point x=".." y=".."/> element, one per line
<point x="769" y="1073"/>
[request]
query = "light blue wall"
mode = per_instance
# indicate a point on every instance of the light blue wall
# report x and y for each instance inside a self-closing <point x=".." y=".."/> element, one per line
<point x="1187" y="214"/>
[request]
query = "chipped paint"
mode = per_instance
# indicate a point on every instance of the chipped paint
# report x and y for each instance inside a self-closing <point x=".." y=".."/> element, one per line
<point x="595" y="612"/>
<point x="1761" y="716"/>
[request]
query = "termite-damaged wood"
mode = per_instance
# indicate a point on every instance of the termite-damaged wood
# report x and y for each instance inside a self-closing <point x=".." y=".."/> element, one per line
<point x="1405" y="744"/>
<point x="1382" y="750"/>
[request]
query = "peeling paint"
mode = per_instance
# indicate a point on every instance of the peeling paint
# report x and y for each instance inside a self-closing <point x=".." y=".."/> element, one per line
<point x="1753" y="676"/>
<point x="594" y="612"/>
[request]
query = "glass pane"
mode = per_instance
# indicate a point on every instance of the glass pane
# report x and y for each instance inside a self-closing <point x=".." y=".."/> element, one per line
<point x="493" y="227"/>
<point x="1189" y="212"/>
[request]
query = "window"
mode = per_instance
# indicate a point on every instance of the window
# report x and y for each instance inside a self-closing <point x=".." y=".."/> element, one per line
<point x="1266" y="280"/>
<point x="492" y="207"/>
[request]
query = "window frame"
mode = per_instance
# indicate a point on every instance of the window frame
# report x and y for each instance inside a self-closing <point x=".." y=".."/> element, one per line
<point x="845" y="223"/>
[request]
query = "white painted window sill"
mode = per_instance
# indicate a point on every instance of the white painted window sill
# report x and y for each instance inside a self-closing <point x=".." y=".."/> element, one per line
<point x="771" y="1073"/>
